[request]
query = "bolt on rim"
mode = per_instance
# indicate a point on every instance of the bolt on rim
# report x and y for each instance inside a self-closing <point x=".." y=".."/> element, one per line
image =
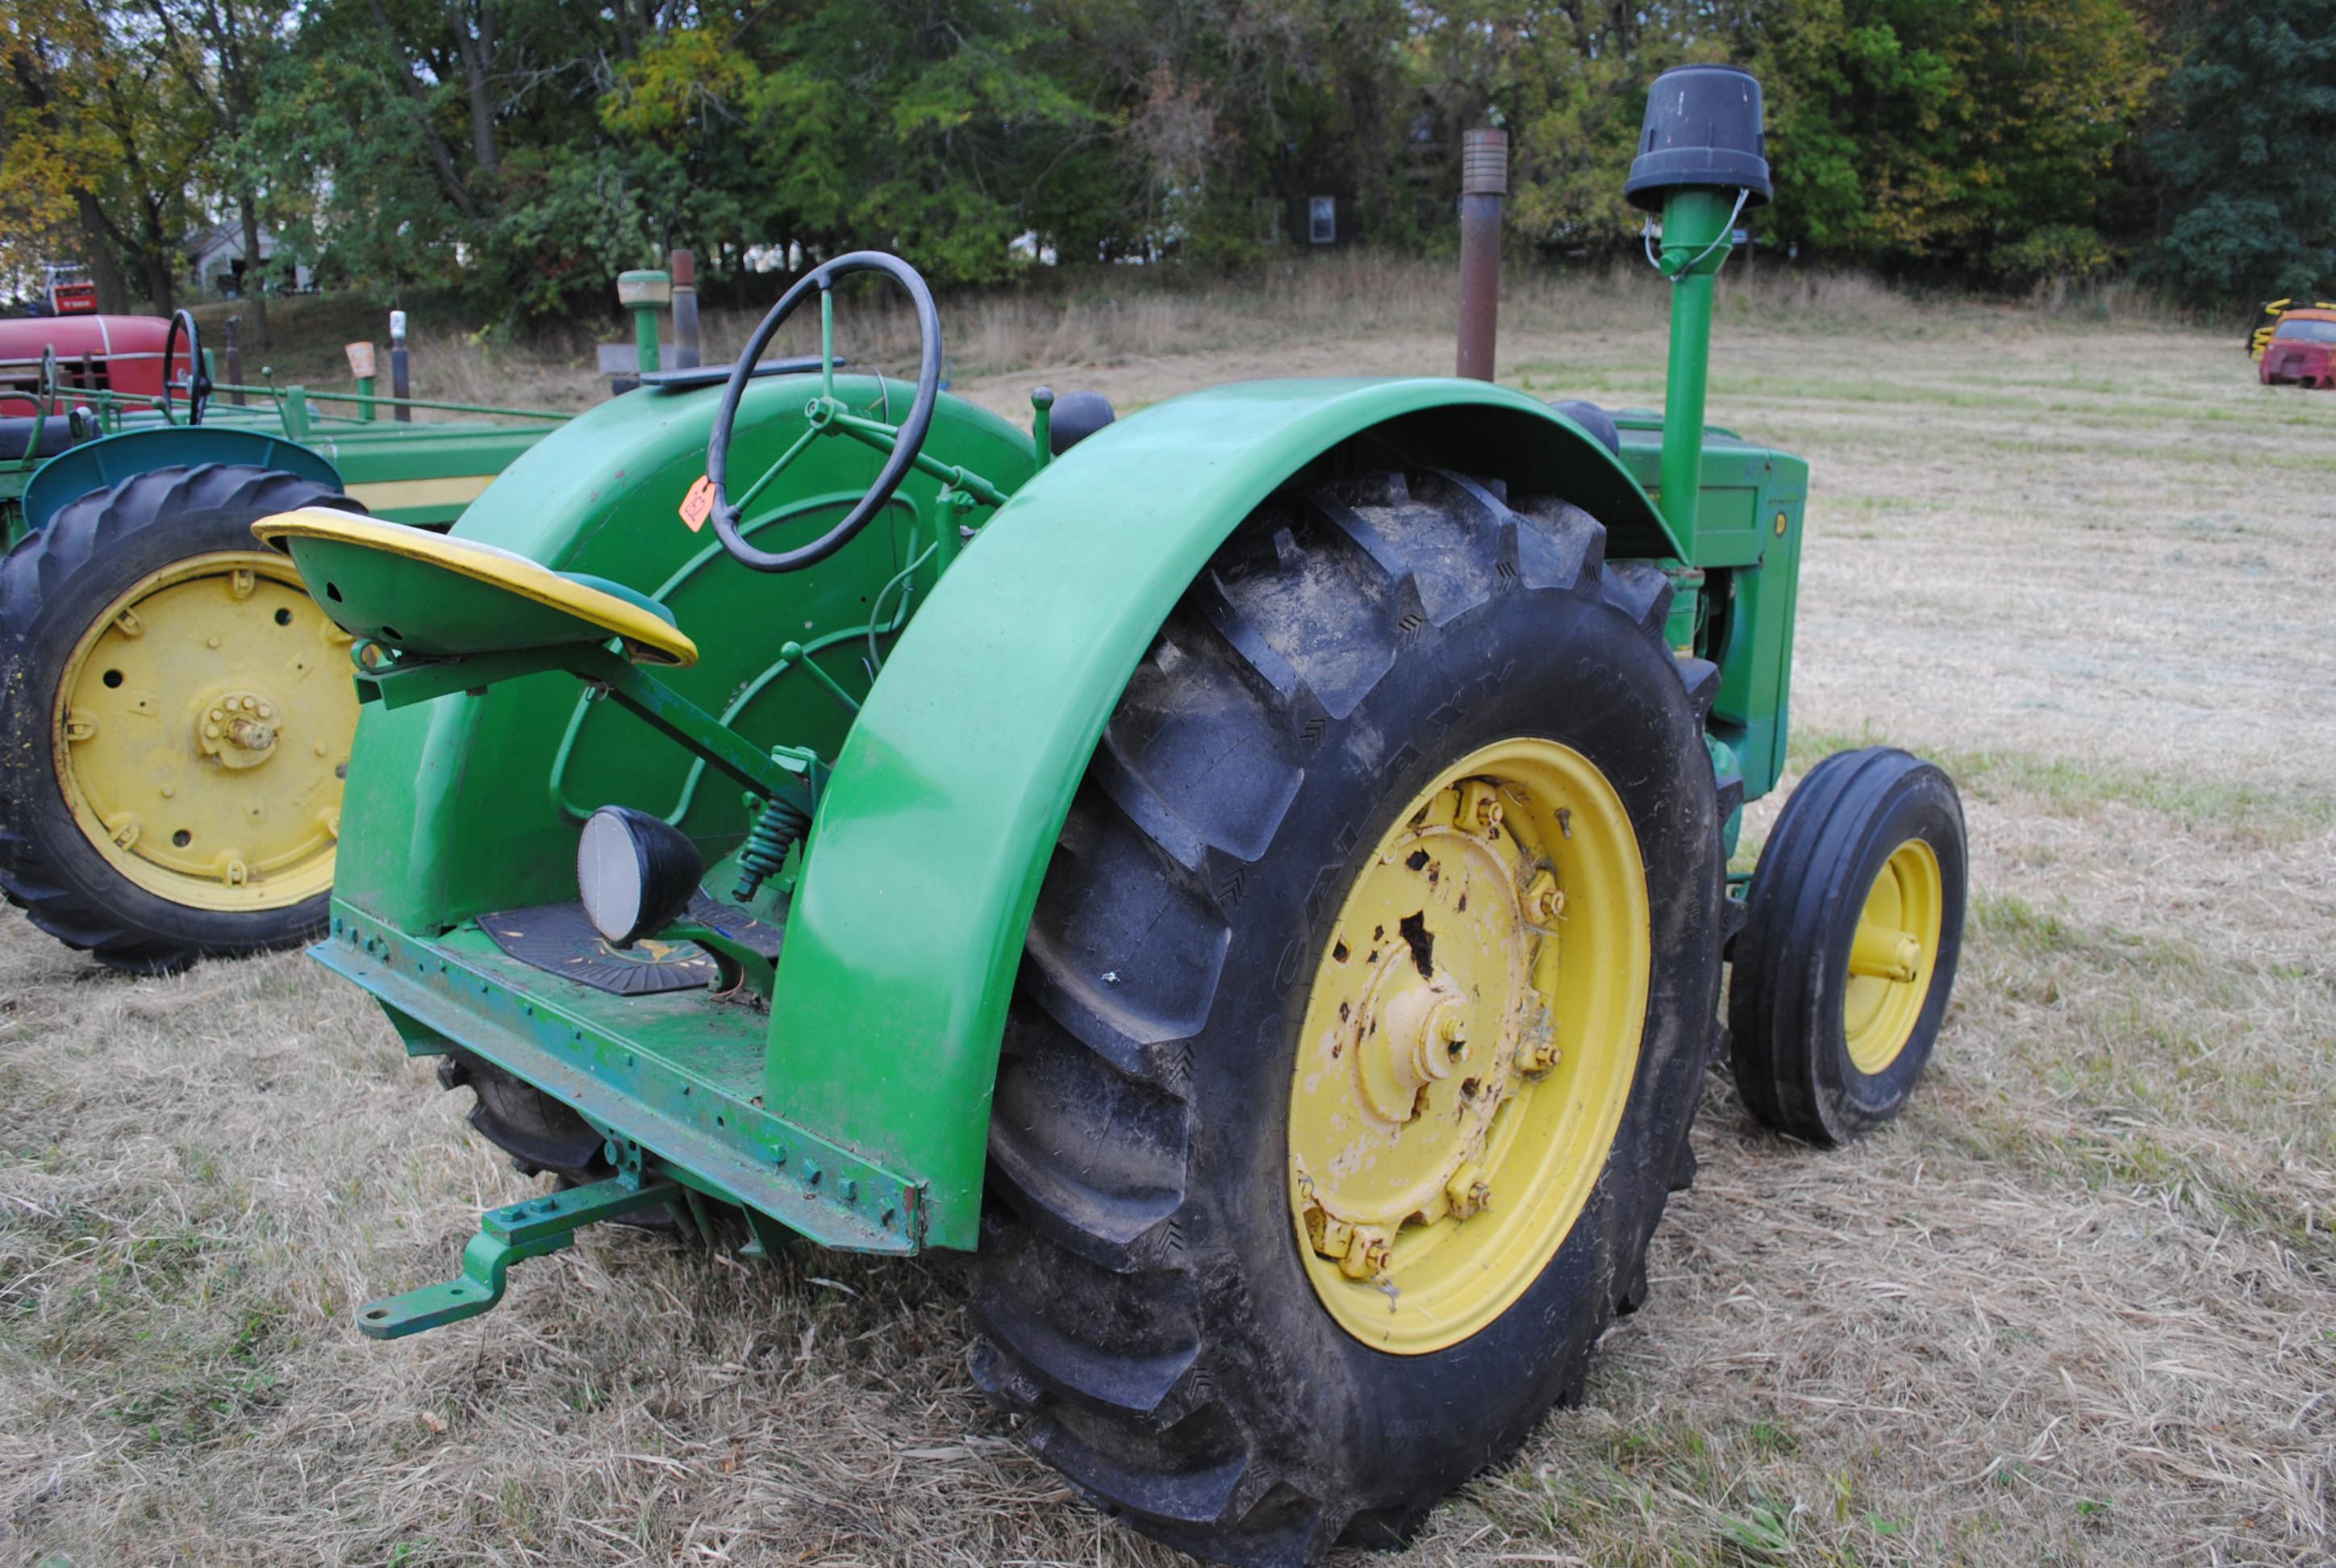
<point x="202" y="729"/>
<point x="1468" y="1046"/>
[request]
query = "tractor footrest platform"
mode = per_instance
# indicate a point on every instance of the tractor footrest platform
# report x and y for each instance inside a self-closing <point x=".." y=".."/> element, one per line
<point x="681" y="1074"/>
<point x="516" y="1231"/>
<point x="560" y="939"/>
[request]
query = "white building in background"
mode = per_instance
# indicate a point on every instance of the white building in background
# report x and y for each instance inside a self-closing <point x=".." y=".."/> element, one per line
<point x="216" y="254"/>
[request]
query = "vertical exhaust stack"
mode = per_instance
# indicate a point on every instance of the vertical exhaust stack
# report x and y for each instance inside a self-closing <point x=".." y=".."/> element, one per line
<point x="1702" y="161"/>
<point x="685" y="350"/>
<point x="1483" y="188"/>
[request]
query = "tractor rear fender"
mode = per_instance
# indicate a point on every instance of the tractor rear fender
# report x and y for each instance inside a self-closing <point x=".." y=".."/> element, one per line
<point x="95" y="464"/>
<point x="904" y="939"/>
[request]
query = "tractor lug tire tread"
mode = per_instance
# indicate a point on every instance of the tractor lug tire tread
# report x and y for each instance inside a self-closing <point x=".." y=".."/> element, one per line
<point x="1103" y="1282"/>
<point x="46" y="869"/>
<point x="1790" y="1064"/>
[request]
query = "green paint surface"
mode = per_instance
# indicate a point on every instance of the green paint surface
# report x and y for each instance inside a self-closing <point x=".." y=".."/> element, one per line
<point x="949" y="786"/>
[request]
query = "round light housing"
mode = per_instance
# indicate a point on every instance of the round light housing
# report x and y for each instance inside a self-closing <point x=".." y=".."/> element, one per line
<point x="634" y="871"/>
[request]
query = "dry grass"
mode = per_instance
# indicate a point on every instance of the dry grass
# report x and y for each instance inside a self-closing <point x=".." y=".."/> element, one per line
<point x="1112" y="317"/>
<point x="2078" y="1307"/>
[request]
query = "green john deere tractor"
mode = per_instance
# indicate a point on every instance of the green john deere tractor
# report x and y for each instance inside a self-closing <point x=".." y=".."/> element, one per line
<point x="173" y="723"/>
<point x="1255" y="873"/>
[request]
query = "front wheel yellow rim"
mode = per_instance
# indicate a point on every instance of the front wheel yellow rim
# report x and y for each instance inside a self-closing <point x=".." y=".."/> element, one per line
<point x="1468" y="1046"/>
<point x="1892" y="957"/>
<point x="202" y="731"/>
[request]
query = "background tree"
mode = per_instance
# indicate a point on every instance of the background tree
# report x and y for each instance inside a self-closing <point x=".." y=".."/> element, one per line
<point x="2249" y="176"/>
<point x="218" y="53"/>
<point x="523" y="151"/>
<point x="96" y="116"/>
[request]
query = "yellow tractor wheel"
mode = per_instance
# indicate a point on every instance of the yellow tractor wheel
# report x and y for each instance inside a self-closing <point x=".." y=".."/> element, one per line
<point x="1364" y="1013"/>
<point x="1841" y="975"/>
<point x="176" y="716"/>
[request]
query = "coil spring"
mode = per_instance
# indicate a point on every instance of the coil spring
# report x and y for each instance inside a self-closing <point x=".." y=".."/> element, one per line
<point x="777" y="825"/>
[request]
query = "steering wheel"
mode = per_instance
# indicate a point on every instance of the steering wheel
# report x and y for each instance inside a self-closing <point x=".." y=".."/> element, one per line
<point x="826" y="414"/>
<point x="198" y="383"/>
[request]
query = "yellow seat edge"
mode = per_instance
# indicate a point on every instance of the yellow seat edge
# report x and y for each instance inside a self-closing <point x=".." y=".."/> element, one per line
<point x="650" y="637"/>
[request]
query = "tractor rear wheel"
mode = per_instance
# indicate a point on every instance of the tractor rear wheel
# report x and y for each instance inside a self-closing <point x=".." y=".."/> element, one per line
<point x="1841" y="975"/>
<point x="175" y="719"/>
<point x="1360" y="1023"/>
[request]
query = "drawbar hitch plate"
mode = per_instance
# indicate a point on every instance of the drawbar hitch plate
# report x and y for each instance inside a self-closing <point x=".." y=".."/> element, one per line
<point x="528" y="1228"/>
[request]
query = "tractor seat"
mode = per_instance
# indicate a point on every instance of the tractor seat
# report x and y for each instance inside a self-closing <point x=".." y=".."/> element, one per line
<point x="436" y="597"/>
<point x="16" y="434"/>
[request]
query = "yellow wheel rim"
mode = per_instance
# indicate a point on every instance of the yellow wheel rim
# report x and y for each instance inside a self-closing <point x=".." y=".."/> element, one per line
<point x="1468" y="1046"/>
<point x="202" y="733"/>
<point x="1892" y="955"/>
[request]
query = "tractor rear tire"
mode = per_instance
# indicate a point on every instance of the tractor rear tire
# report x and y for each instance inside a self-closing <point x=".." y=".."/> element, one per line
<point x="1825" y="1047"/>
<point x="1149" y="1290"/>
<point x="59" y="587"/>
<point x="539" y="1133"/>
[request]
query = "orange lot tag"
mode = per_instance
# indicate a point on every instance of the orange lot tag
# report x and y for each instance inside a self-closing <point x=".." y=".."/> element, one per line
<point x="698" y="504"/>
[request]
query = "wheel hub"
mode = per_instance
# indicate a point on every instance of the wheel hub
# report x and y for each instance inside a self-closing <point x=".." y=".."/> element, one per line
<point x="239" y="729"/>
<point x="1441" y="1141"/>
<point x="1890" y="956"/>
<point x="203" y="723"/>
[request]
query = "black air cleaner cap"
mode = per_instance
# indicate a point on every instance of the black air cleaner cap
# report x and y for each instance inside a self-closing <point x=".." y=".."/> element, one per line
<point x="1702" y="128"/>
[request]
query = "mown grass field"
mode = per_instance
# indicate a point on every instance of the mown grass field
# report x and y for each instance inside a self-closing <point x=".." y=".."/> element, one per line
<point x="2078" y="1307"/>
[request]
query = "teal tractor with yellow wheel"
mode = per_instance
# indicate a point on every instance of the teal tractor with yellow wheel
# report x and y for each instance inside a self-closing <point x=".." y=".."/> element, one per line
<point x="174" y="723"/>
<point x="1254" y="874"/>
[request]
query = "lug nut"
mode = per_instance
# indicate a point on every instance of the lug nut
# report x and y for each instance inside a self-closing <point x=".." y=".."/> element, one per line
<point x="1479" y="806"/>
<point x="1367" y="1257"/>
<point x="1468" y="1192"/>
<point x="1542" y="901"/>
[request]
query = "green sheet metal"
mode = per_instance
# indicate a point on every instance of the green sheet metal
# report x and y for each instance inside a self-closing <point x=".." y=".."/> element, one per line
<point x="947" y="799"/>
<point x="481" y="797"/>
<point x="951" y="780"/>
<point x="95" y="465"/>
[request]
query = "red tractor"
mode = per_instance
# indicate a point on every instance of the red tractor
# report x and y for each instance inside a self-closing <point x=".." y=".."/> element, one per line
<point x="88" y="354"/>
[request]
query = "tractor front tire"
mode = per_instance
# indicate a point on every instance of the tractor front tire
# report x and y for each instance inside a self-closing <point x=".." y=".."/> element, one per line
<point x="542" y="1136"/>
<point x="1360" y="1021"/>
<point x="1840" y="976"/>
<point x="175" y="716"/>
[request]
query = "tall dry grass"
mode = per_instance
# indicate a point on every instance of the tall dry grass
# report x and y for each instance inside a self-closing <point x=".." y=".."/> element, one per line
<point x="1115" y="316"/>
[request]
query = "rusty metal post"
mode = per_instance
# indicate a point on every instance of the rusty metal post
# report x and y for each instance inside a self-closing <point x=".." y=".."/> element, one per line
<point x="685" y="350"/>
<point x="235" y="358"/>
<point x="1483" y="188"/>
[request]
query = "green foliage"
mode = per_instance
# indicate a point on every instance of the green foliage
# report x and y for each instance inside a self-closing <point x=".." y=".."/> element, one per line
<point x="1907" y="129"/>
<point x="523" y="151"/>
<point x="2251" y="183"/>
<point x="2052" y="253"/>
<point x="106" y="141"/>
